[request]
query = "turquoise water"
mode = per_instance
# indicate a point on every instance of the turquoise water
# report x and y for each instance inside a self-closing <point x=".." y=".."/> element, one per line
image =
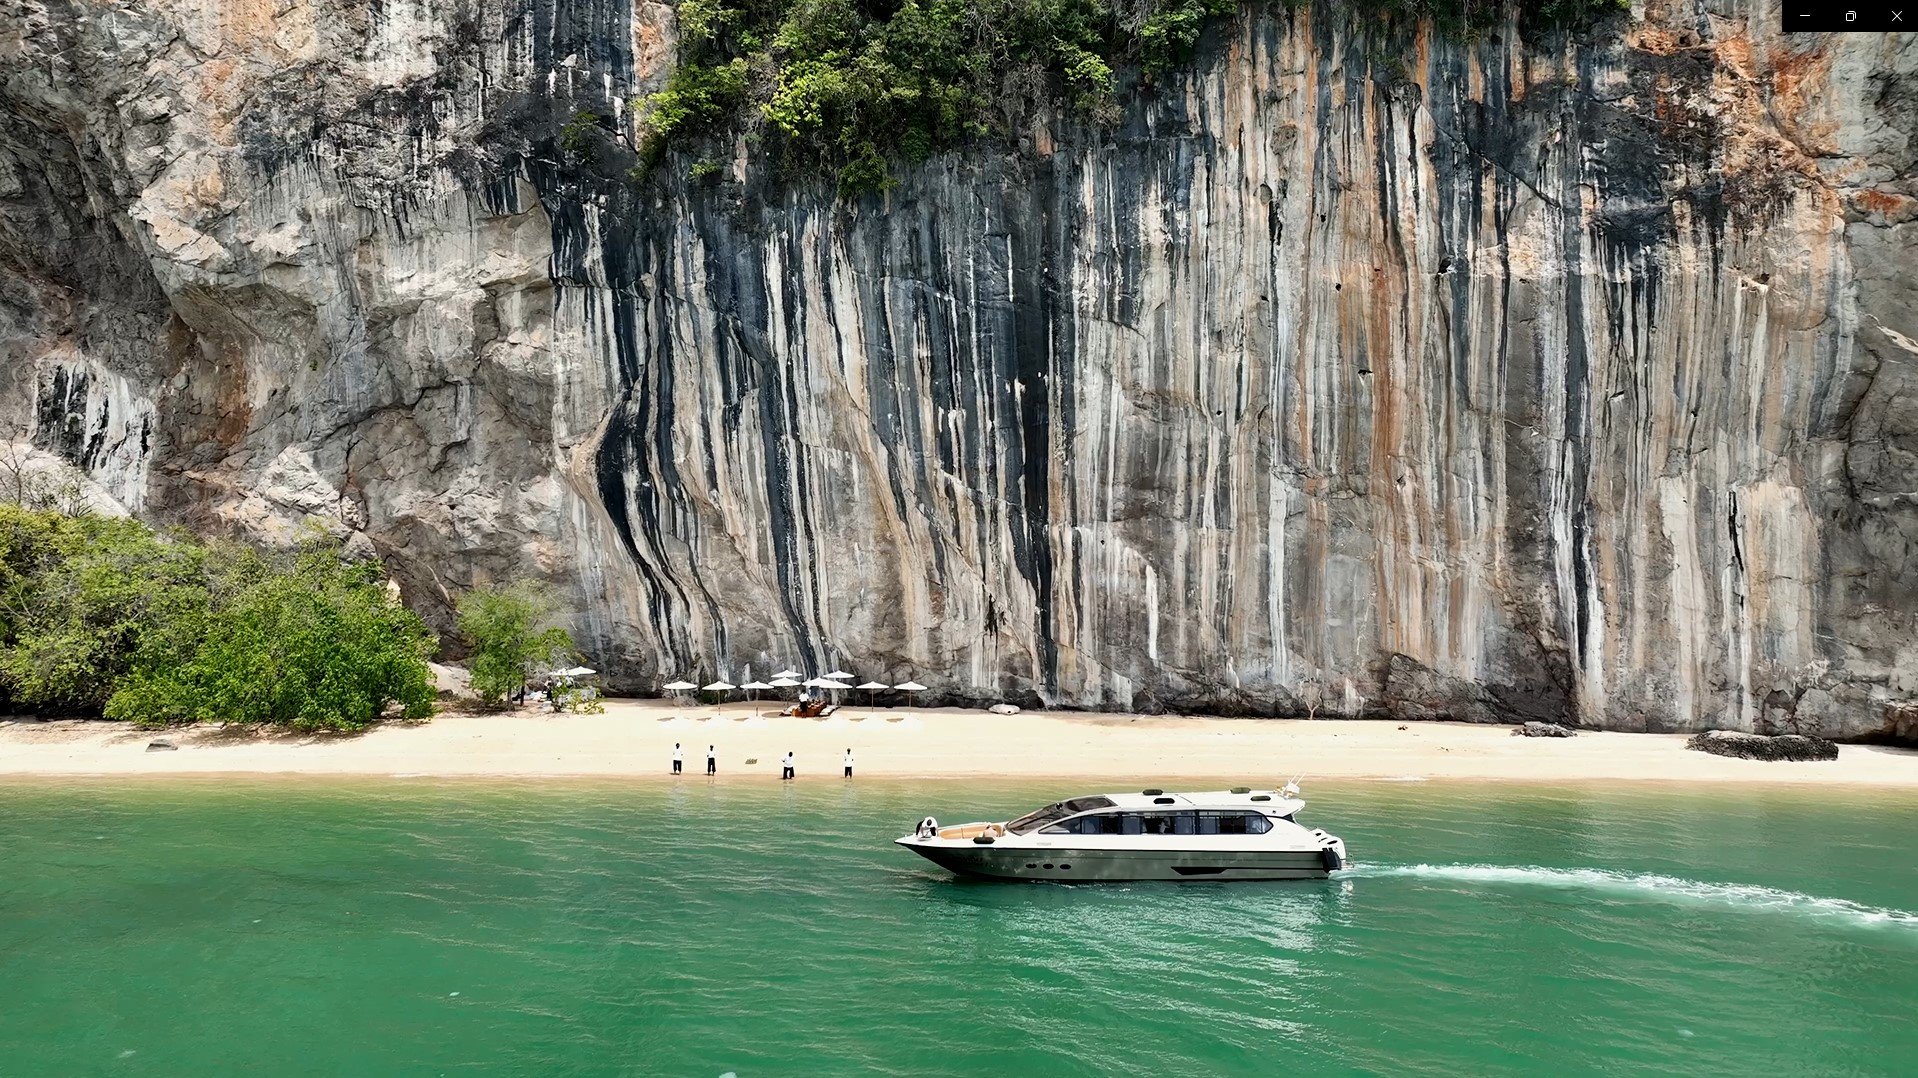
<point x="409" y="927"/>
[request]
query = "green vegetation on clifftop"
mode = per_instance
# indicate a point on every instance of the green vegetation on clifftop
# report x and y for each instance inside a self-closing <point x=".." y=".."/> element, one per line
<point x="852" y="85"/>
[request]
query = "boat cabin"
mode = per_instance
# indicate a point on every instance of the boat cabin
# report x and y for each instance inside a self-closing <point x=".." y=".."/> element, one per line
<point x="1154" y="812"/>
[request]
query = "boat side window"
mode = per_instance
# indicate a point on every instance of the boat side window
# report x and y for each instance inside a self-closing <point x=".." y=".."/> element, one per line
<point x="1096" y="824"/>
<point x="1051" y="814"/>
<point x="1171" y="823"/>
<point x="1131" y="824"/>
<point x="1233" y="823"/>
<point x="1032" y="821"/>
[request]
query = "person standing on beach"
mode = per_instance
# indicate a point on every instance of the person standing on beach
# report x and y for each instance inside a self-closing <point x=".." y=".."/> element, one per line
<point x="679" y="758"/>
<point x="712" y="761"/>
<point x="786" y="766"/>
<point x="849" y="763"/>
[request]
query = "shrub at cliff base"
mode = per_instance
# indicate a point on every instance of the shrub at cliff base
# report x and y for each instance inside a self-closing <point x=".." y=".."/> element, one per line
<point x="308" y="641"/>
<point x="108" y="616"/>
<point x="508" y="632"/>
<point x="80" y="597"/>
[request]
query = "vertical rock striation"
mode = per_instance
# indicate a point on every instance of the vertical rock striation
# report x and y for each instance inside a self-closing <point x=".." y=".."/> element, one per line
<point x="1480" y="381"/>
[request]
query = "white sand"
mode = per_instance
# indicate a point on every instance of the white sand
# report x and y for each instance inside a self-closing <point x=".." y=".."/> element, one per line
<point x="635" y="739"/>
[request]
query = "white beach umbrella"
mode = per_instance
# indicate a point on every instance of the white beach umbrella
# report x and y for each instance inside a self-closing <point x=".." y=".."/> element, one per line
<point x="910" y="686"/>
<point x="826" y="683"/>
<point x="871" y="687"/>
<point x="787" y="673"/>
<point x="719" y="686"/>
<point x="839" y="675"/>
<point x="783" y="682"/>
<point x="677" y="687"/>
<point x="754" y="688"/>
<point x="559" y="680"/>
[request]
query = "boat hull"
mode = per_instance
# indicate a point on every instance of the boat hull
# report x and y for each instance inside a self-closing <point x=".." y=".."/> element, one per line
<point x="1116" y="866"/>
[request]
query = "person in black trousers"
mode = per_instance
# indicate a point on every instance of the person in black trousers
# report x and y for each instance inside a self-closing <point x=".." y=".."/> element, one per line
<point x="679" y="758"/>
<point x="712" y="761"/>
<point x="786" y="767"/>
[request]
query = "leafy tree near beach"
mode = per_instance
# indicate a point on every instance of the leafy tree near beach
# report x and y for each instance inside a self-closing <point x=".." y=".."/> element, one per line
<point x="511" y="637"/>
<point x="80" y="597"/>
<point x="100" y="615"/>
<point x="308" y="640"/>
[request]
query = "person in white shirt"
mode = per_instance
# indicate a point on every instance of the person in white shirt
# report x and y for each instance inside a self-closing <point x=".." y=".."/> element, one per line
<point x="786" y="766"/>
<point x="712" y="761"/>
<point x="679" y="758"/>
<point x="849" y="763"/>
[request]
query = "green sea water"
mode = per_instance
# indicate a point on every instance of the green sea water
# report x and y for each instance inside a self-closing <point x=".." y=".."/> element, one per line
<point x="415" y="927"/>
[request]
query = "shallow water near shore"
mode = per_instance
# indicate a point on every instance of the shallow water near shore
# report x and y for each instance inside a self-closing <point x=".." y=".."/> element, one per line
<point x="421" y="927"/>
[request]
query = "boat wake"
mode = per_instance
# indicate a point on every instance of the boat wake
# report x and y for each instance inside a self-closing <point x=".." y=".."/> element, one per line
<point x="1744" y="896"/>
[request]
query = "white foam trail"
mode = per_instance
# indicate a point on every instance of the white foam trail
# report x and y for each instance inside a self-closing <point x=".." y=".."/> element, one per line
<point x="1668" y="888"/>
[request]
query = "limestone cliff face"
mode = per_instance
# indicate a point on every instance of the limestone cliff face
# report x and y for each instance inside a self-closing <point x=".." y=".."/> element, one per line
<point x="1478" y="381"/>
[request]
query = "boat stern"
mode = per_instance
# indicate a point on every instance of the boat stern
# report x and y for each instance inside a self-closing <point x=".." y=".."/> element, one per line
<point x="1331" y="849"/>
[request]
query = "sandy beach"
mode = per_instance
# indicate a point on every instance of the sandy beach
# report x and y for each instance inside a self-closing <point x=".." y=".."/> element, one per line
<point x="635" y="739"/>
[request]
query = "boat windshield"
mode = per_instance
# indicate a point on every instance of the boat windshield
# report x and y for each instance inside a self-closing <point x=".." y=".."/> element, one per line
<point x="1032" y="821"/>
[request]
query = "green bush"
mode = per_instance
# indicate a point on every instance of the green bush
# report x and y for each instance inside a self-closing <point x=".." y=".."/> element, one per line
<point x="695" y="97"/>
<point x="839" y="79"/>
<point x="307" y="640"/>
<point x="510" y="639"/>
<point x="578" y="133"/>
<point x="1168" y="36"/>
<point x="578" y="699"/>
<point x="108" y="616"/>
<point x="80" y="597"/>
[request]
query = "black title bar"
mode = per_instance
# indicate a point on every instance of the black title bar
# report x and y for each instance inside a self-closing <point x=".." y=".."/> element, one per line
<point x="1881" y="16"/>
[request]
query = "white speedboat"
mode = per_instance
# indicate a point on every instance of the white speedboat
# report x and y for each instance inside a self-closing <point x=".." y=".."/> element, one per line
<point x="1241" y="834"/>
